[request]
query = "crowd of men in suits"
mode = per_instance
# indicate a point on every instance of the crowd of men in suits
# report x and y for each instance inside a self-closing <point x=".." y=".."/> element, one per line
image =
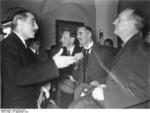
<point x="76" y="75"/>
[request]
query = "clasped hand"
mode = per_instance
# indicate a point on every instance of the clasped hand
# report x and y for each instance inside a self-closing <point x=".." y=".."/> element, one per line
<point x="63" y="61"/>
<point x="97" y="93"/>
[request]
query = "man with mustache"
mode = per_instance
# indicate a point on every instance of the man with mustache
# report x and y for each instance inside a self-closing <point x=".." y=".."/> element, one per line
<point x="22" y="74"/>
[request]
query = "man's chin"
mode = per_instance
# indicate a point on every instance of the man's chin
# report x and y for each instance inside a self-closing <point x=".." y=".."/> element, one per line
<point x="116" y="33"/>
<point x="31" y="37"/>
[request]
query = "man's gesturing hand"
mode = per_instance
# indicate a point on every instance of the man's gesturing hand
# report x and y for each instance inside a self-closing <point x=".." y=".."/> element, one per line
<point x="63" y="61"/>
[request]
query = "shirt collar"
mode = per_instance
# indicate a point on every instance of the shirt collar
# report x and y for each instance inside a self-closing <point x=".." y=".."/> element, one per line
<point x="71" y="49"/>
<point x="89" y="45"/>
<point x="34" y="51"/>
<point x="23" y="41"/>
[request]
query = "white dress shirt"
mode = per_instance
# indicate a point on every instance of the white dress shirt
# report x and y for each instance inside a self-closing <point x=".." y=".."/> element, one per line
<point x="89" y="47"/>
<point x="71" y="49"/>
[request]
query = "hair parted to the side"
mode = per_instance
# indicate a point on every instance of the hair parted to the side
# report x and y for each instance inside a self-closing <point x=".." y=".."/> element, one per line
<point x="138" y="17"/>
<point x="87" y="28"/>
<point x="22" y="14"/>
<point x="71" y="32"/>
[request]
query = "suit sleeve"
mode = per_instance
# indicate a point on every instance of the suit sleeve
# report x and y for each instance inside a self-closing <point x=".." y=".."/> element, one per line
<point x="138" y="83"/>
<point x="24" y="75"/>
<point x="106" y="55"/>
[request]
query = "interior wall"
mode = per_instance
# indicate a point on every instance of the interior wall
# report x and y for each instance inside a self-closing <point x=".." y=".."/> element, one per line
<point x="67" y="10"/>
<point x="106" y="13"/>
<point x="142" y="5"/>
<point x="99" y="14"/>
<point x="50" y="10"/>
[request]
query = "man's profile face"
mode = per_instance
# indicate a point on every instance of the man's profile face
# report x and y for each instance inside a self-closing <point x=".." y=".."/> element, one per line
<point x="122" y="23"/>
<point x="66" y="39"/>
<point x="82" y="36"/>
<point x="29" y="26"/>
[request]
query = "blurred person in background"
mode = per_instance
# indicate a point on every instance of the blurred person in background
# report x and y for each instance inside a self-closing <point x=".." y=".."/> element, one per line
<point x="108" y="42"/>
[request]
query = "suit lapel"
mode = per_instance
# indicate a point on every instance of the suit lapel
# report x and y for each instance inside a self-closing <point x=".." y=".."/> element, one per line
<point x="89" y="58"/>
<point x="91" y="55"/>
<point x="74" y="50"/>
<point x="26" y="53"/>
<point x="35" y="56"/>
<point x="128" y="45"/>
<point x="139" y="60"/>
<point x="17" y="40"/>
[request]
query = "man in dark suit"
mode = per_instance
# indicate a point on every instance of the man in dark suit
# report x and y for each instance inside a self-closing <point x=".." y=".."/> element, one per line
<point x="127" y="84"/>
<point x="22" y="75"/>
<point x="70" y="48"/>
<point x="89" y="71"/>
<point x="130" y="67"/>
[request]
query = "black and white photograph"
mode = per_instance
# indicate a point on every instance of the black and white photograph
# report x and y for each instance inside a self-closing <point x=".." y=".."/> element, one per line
<point x="74" y="54"/>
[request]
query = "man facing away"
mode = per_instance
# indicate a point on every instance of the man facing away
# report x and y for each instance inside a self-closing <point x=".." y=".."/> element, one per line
<point x="22" y="75"/>
<point x="127" y="84"/>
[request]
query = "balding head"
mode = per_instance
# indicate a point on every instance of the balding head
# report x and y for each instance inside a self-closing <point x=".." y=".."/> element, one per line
<point x="128" y="23"/>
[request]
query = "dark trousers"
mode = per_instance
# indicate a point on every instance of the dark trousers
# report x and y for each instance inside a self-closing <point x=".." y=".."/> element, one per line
<point x="63" y="99"/>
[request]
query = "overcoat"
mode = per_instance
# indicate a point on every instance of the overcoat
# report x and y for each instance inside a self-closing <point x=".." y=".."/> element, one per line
<point x="22" y="75"/>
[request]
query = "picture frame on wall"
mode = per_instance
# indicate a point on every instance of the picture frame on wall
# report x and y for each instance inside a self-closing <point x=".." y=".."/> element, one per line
<point x="62" y="25"/>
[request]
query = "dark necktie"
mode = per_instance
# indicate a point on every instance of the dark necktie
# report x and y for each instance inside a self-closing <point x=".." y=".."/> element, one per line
<point x="36" y="52"/>
<point x="68" y="53"/>
<point x="85" y="61"/>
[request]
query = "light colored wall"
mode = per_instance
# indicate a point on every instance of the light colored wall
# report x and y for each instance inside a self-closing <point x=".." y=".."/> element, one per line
<point x="142" y="5"/>
<point x="71" y="10"/>
<point x="50" y="10"/>
<point x="106" y="13"/>
<point x="98" y="14"/>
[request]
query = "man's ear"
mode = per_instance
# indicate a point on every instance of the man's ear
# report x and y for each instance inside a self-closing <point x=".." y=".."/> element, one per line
<point x="17" y="20"/>
<point x="132" y="22"/>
